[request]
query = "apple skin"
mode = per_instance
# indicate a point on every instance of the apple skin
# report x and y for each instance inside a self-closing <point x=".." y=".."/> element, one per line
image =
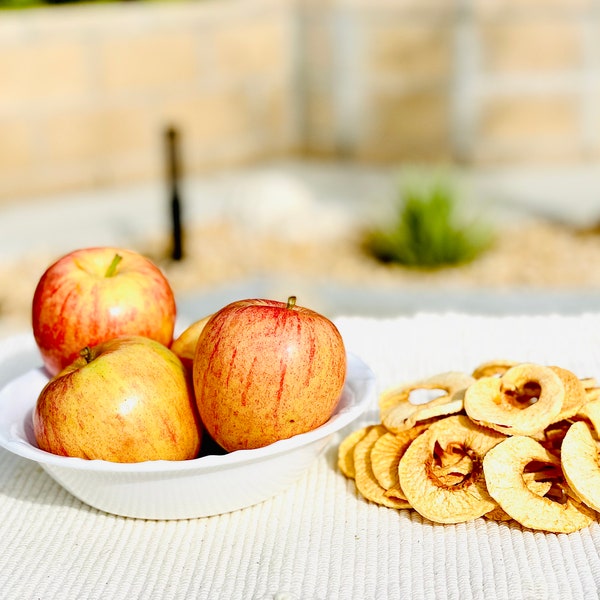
<point x="184" y="345"/>
<point x="266" y="370"/>
<point x="76" y="305"/>
<point x="131" y="402"/>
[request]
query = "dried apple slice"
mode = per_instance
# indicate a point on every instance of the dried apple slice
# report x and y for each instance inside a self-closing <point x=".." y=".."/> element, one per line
<point x="524" y="401"/>
<point x="346" y="451"/>
<point x="398" y="419"/>
<point x="540" y="488"/>
<point x="498" y="514"/>
<point x="398" y="413"/>
<point x="504" y="466"/>
<point x="591" y="412"/>
<point x="465" y="496"/>
<point x="386" y="454"/>
<point x="575" y="395"/>
<point x="397" y="495"/>
<point x="364" y="478"/>
<point x="579" y="458"/>
<point x="592" y="390"/>
<point x="492" y="368"/>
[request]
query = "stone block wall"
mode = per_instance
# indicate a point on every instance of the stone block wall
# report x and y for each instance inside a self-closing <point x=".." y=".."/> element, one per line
<point x="87" y="91"/>
<point x="475" y="81"/>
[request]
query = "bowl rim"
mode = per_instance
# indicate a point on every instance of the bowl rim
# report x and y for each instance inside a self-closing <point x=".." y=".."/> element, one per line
<point x="358" y="393"/>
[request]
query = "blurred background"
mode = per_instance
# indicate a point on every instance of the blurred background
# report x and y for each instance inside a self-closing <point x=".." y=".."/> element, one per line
<point x="295" y="123"/>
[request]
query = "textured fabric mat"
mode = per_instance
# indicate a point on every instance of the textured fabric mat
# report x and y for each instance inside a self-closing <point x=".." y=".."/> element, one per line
<point x="319" y="539"/>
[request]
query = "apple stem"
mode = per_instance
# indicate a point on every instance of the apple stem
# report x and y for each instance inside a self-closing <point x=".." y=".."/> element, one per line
<point x="112" y="268"/>
<point x="291" y="302"/>
<point x="87" y="354"/>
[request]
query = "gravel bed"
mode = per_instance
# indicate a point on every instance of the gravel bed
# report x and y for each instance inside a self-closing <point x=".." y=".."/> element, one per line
<point x="539" y="255"/>
<point x="532" y="256"/>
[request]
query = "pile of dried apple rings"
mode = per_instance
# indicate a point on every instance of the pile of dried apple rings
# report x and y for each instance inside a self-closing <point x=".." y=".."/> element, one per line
<point x="510" y="441"/>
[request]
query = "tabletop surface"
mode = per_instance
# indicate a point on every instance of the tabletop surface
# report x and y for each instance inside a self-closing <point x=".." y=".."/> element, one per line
<point x="320" y="539"/>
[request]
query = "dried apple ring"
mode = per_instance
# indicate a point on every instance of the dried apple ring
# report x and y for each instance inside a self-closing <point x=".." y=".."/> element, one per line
<point x="498" y="514"/>
<point x="448" y="382"/>
<point x="575" y="395"/>
<point x="386" y="454"/>
<point x="463" y="498"/>
<point x="592" y="391"/>
<point x="398" y="413"/>
<point x="346" y="451"/>
<point x="364" y="478"/>
<point x="589" y="382"/>
<point x="524" y="401"/>
<point x="591" y="412"/>
<point x="504" y="466"/>
<point x="402" y="418"/>
<point x="579" y="458"/>
<point x="397" y="495"/>
<point x="492" y="368"/>
<point x="540" y="488"/>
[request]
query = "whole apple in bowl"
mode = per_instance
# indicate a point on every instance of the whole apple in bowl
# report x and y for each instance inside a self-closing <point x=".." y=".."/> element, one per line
<point x="125" y="400"/>
<point x="170" y="489"/>
<point x="94" y="294"/>
<point x="265" y="370"/>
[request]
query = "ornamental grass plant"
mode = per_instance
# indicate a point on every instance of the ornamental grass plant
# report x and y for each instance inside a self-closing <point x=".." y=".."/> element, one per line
<point x="429" y="230"/>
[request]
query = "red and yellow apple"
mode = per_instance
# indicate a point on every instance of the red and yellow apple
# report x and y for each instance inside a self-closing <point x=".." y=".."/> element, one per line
<point x="266" y="370"/>
<point x="94" y="294"/>
<point x="125" y="400"/>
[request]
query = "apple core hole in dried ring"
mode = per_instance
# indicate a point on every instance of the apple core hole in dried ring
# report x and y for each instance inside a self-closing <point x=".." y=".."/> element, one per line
<point x="454" y="465"/>
<point x="421" y="396"/>
<point x="528" y="394"/>
<point x="524" y="401"/>
<point x="448" y="495"/>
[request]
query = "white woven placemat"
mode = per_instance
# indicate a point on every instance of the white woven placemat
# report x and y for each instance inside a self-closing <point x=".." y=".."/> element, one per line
<point x="319" y="540"/>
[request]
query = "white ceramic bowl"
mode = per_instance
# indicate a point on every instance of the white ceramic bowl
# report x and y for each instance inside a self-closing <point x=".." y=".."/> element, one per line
<point x="209" y="485"/>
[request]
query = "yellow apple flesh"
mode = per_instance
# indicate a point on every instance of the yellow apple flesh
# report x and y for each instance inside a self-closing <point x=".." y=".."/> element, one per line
<point x="125" y="400"/>
<point x="266" y="370"/>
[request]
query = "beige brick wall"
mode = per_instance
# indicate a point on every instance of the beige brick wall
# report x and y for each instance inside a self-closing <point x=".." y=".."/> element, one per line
<point x="529" y="45"/>
<point x="86" y="91"/>
<point x="534" y="81"/>
<point x="479" y="81"/>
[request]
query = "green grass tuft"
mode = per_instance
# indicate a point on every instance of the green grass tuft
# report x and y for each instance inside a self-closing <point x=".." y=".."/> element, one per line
<point x="428" y="232"/>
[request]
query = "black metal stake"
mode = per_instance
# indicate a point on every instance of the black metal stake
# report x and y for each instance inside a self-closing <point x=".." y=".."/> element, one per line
<point x="172" y="137"/>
